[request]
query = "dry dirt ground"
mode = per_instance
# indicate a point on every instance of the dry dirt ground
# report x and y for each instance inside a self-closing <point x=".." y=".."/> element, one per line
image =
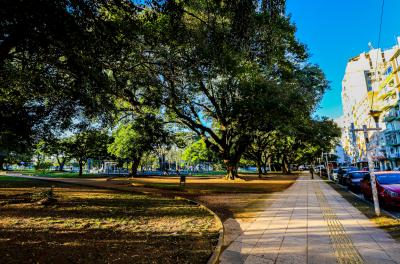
<point x="87" y="225"/>
<point x="235" y="202"/>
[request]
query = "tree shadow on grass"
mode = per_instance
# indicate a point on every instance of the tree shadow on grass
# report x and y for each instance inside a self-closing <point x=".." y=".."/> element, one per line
<point x="24" y="245"/>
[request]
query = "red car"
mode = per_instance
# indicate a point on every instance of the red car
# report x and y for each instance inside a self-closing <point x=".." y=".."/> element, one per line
<point x="388" y="186"/>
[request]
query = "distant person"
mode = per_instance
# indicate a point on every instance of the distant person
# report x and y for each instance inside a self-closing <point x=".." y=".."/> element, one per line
<point x="312" y="172"/>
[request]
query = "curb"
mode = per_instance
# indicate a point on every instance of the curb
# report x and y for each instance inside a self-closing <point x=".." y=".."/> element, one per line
<point x="218" y="248"/>
<point x="214" y="259"/>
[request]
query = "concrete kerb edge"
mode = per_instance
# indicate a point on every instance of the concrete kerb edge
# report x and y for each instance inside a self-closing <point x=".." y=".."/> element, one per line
<point x="217" y="250"/>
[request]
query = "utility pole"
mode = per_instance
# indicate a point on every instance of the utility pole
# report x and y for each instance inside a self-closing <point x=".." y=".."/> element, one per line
<point x="371" y="165"/>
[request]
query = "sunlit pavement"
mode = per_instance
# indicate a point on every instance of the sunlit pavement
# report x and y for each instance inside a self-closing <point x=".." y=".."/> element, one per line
<point x="311" y="223"/>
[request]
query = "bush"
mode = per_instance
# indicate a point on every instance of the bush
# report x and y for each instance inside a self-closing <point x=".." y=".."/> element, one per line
<point x="43" y="166"/>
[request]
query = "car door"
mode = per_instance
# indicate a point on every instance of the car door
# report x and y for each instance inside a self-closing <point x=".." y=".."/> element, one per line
<point x="366" y="185"/>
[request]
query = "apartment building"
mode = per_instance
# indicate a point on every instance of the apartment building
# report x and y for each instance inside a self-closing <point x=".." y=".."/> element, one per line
<point x="389" y="90"/>
<point x="367" y="85"/>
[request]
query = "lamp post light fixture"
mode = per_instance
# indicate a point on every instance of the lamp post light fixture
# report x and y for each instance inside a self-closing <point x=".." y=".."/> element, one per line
<point x="375" y="115"/>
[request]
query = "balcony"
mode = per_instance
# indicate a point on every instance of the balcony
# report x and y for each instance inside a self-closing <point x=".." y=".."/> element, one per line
<point x="393" y="143"/>
<point x="392" y="115"/>
<point x="393" y="155"/>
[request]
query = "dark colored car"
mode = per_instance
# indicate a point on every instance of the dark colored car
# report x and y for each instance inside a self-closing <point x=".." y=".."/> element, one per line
<point x="342" y="174"/>
<point x="353" y="179"/>
<point x="388" y="187"/>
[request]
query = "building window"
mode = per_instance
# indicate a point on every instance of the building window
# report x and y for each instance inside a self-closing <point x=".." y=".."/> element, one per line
<point x="388" y="71"/>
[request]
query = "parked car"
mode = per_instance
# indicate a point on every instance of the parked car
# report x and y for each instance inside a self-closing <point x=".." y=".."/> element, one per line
<point x="367" y="169"/>
<point x="318" y="168"/>
<point x="342" y="172"/>
<point x="353" y="179"/>
<point x="335" y="174"/>
<point x="388" y="187"/>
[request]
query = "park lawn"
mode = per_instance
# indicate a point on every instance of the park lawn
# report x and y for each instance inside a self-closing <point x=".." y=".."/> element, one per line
<point x="386" y="222"/>
<point x="58" y="174"/>
<point x="87" y="225"/>
<point x="243" y="198"/>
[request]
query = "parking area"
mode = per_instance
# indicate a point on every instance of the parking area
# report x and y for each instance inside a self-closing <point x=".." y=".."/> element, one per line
<point x="392" y="211"/>
<point x="358" y="183"/>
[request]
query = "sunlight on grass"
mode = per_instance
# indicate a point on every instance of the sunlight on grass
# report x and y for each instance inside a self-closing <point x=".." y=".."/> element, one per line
<point x="84" y="224"/>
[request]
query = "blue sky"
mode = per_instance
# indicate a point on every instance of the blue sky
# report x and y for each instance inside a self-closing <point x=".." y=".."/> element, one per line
<point x="336" y="30"/>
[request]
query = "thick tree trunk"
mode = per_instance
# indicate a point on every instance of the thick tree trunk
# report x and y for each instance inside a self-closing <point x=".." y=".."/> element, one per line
<point x="264" y="168"/>
<point x="231" y="168"/>
<point x="61" y="167"/>
<point x="80" y="167"/>
<point x="135" y="166"/>
<point x="285" y="169"/>
<point x="259" y="169"/>
<point x="1" y="163"/>
<point x="61" y="163"/>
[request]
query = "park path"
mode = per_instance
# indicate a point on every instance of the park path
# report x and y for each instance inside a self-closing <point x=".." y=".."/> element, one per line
<point x="311" y="223"/>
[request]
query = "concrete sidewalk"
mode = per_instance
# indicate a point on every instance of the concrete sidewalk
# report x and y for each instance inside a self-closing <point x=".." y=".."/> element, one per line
<point x="311" y="223"/>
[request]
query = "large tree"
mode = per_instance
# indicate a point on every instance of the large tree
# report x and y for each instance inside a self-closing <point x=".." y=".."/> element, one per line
<point x="16" y="129"/>
<point x="223" y="69"/>
<point x="87" y="144"/>
<point x="137" y="138"/>
<point x="259" y="150"/>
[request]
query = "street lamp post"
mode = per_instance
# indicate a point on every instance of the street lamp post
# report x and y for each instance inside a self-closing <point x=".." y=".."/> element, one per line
<point x="375" y="116"/>
<point x="325" y="154"/>
<point x="327" y="166"/>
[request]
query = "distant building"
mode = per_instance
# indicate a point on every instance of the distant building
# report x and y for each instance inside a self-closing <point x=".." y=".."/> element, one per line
<point x="369" y="84"/>
<point x="343" y="157"/>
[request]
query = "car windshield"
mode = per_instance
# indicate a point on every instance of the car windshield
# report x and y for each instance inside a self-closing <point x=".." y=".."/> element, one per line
<point x="393" y="178"/>
<point x="357" y="175"/>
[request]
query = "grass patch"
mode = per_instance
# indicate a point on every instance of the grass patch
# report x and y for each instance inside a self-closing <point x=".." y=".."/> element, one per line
<point x="86" y="225"/>
<point x="59" y="174"/>
<point x="386" y="222"/>
<point x="243" y="198"/>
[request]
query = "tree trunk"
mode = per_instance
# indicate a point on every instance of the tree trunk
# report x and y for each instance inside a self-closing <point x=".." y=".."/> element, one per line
<point x="264" y="167"/>
<point x="231" y="168"/>
<point x="259" y="169"/>
<point x="1" y="163"/>
<point x="61" y="166"/>
<point x="285" y="165"/>
<point x="80" y="167"/>
<point x="135" y="166"/>
<point x="61" y="163"/>
<point x="285" y="169"/>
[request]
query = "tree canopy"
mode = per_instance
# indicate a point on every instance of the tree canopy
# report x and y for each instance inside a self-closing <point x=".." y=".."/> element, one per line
<point x="229" y="71"/>
<point x="135" y="139"/>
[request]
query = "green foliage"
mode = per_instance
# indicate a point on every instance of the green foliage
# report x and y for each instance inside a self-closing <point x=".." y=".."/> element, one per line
<point x="218" y="74"/>
<point x="197" y="153"/>
<point x="133" y="140"/>
<point x="87" y="144"/>
<point x="223" y="69"/>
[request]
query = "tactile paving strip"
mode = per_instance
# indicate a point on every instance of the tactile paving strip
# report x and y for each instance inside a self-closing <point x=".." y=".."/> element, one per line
<point x="345" y="251"/>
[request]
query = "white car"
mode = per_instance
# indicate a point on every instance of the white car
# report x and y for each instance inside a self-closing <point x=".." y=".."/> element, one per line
<point x="335" y="174"/>
<point x="318" y="168"/>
